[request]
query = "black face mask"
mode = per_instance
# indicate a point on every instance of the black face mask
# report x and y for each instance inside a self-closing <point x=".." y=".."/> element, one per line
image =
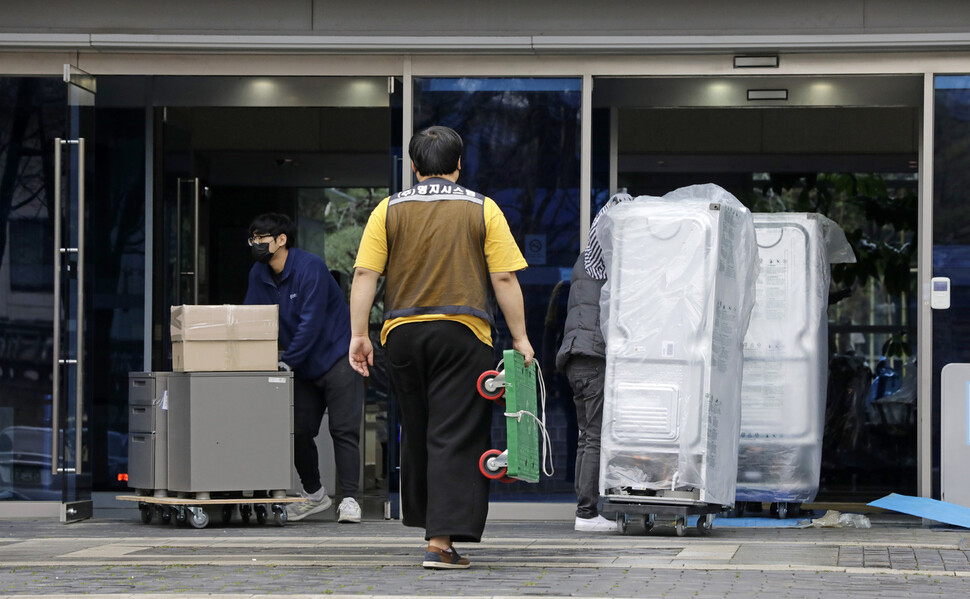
<point x="261" y="252"/>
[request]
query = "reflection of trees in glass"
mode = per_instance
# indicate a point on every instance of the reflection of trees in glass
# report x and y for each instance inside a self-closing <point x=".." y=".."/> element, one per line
<point x="951" y="177"/>
<point x="31" y="115"/>
<point x="879" y="214"/>
<point x="339" y="218"/>
<point x="344" y="217"/>
<point x="522" y="150"/>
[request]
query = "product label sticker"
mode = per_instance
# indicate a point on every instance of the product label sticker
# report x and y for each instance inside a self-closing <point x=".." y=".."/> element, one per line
<point x="165" y="399"/>
<point x="278" y="379"/>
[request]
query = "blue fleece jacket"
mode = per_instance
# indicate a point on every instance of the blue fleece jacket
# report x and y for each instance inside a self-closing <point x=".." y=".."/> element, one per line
<point x="314" y="317"/>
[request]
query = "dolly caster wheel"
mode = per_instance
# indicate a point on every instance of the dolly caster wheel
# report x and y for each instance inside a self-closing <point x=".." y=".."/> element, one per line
<point x="199" y="519"/>
<point x="279" y="514"/>
<point x="488" y="467"/>
<point x="489" y="388"/>
<point x="680" y="526"/>
<point x="704" y="524"/>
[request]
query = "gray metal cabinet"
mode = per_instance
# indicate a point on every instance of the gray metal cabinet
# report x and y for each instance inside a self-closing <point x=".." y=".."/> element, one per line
<point x="148" y="431"/>
<point x="230" y="431"/>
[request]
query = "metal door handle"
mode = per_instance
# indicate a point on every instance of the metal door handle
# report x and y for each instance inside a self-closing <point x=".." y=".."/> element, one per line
<point x="78" y="360"/>
<point x="195" y="249"/>
<point x="79" y="375"/>
<point x="56" y="375"/>
<point x="195" y="240"/>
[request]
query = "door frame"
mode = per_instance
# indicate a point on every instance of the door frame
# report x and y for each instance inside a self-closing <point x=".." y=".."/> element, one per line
<point x="407" y="66"/>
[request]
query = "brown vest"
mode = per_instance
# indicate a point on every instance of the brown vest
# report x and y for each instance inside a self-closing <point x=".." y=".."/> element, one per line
<point x="436" y="252"/>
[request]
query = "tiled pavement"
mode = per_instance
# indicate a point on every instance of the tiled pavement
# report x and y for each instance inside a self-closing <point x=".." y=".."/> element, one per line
<point x="120" y="557"/>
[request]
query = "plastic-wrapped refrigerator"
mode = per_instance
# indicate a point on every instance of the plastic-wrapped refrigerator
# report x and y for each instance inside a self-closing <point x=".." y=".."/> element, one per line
<point x="681" y="271"/>
<point x="786" y="360"/>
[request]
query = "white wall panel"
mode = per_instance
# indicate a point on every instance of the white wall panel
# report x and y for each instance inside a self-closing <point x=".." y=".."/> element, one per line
<point x="495" y="18"/>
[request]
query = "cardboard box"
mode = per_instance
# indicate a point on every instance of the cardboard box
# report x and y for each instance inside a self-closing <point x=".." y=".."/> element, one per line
<point x="224" y="338"/>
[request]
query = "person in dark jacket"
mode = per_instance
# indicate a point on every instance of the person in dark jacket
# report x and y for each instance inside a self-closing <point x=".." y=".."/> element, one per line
<point x="314" y="333"/>
<point x="582" y="357"/>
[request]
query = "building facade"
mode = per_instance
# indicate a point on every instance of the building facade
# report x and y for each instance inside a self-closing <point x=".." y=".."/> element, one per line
<point x="196" y="116"/>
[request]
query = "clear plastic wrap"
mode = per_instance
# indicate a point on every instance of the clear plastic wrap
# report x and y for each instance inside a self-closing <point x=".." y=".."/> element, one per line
<point x="675" y="306"/>
<point x="786" y="358"/>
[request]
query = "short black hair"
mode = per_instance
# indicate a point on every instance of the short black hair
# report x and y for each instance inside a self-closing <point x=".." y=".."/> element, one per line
<point x="274" y="224"/>
<point x="435" y="150"/>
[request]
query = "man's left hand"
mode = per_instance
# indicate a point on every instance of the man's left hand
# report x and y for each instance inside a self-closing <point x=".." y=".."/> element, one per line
<point x="525" y="348"/>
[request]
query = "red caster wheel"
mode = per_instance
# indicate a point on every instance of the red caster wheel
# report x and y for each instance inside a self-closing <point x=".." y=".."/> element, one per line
<point x="484" y="383"/>
<point x="488" y="472"/>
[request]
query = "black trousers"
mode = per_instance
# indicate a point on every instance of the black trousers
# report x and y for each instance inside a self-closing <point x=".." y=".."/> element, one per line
<point x="586" y="377"/>
<point x="446" y="426"/>
<point x="341" y="393"/>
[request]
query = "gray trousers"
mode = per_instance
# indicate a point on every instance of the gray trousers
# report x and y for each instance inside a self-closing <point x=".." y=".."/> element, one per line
<point x="586" y="377"/>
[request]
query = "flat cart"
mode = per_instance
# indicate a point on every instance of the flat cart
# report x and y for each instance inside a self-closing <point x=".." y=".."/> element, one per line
<point x="211" y="443"/>
<point x="196" y="510"/>
<point x="667" y="510"/>
<point x="515" y="389"/>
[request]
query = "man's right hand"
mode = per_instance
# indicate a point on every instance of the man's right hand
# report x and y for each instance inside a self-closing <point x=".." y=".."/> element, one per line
<point x="361" y="354"/>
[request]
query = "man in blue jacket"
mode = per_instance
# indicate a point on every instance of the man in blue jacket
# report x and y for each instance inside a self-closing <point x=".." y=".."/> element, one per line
<point x="314" y="334"/>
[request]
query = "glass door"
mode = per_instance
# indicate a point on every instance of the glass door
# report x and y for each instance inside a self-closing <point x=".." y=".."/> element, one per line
<point x="321" y="150"/>
<point x="73" y="182"/>
<point x="46" y="173"/>
<point x="31" y="116"/>
<point x="951" y="263"/>
<point x="507" y="125"/>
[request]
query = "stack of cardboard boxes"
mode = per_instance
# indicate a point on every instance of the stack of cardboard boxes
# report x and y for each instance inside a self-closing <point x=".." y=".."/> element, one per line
<point x="222" y="420"/>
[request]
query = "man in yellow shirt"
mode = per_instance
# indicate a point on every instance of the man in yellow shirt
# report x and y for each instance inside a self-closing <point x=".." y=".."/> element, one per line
<point x="444" y="250"/>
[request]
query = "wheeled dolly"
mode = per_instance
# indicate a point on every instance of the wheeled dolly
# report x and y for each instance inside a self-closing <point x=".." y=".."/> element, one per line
<point x="515" y="390"/>
<point x="650" y="515"/>
<point x="196" y="510"/>
<point x="494" y="463"/>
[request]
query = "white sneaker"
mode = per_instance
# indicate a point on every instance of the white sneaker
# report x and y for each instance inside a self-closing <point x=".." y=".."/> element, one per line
<point x="597" y="524"/>
<point x="348" y="510"/>
<point x="299" y="511"/>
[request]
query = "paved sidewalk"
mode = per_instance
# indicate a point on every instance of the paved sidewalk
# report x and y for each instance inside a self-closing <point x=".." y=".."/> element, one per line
<point x="124" y="558"/>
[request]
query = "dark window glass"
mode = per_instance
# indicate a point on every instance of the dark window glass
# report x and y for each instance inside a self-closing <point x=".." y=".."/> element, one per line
<point x="32" y="114"/>
<point x="116" y="242"/>
<point x="951" y="235"/>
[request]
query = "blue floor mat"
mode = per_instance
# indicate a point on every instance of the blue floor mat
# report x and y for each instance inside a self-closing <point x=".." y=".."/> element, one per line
<point x="924" y="507"/>
<point x="755" y="522"/>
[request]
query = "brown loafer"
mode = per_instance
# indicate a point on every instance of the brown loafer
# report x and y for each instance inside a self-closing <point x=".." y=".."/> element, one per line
<point x="441" y="559"/>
